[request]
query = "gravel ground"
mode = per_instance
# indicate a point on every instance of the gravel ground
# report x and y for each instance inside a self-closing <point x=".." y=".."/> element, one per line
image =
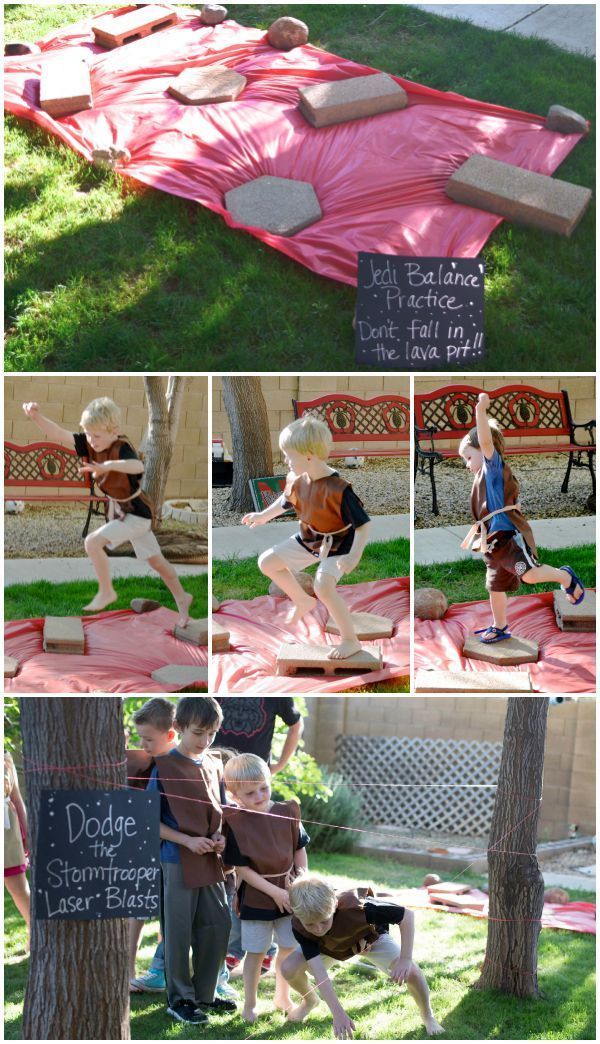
<point x="540" y="479"/>
<point x="54" y="531"/>
<point x="381" y="483"/>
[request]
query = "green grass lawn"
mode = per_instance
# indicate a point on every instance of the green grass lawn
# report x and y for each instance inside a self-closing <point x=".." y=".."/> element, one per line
<point x="449" y="949"/>
<point x="465" y="581"/>
<point x="101" y="276"/>
<point x="30" y="601"/>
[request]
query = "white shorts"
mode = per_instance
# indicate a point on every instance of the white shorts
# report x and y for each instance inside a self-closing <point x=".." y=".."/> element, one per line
<point x="134" y="528"/>
<point x="296" y="557"/>
<point x="258" y="935"/>
<point x="383" y="952"/>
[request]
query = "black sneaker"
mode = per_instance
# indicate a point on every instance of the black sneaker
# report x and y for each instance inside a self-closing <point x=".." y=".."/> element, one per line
<point x="185" y="1011"/>
<point x="219" y="1005"/>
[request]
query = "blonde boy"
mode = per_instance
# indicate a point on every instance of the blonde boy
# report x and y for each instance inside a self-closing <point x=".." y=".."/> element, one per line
<point x="332" y="926"/>
<point x="117" y="470"/>
<point x="333" y="528"/>
<point x="266" y="844"/>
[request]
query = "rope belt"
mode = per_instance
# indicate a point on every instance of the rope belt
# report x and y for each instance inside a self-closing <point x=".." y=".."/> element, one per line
<point x="327" y="540"/>
<point x="479" y="530"/>
<point x="284" y="873"/>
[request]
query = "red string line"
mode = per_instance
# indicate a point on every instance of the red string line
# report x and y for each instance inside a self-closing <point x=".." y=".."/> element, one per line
<point x="500" y="839"/>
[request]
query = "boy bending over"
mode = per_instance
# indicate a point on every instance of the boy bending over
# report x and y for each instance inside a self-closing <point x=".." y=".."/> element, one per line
<point x="333" y="528"/>
<point x="332" y="926"/>
<point x="117" y="471"/>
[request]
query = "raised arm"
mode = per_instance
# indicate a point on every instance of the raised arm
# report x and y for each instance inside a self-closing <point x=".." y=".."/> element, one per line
<point x="290" y="745"/>
<point x="484" y="433"/>
<point x="51" y="430"/>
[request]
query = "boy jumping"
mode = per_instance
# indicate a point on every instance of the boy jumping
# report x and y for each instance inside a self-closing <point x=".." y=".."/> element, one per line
<point x="116" y="468"/>
<point x="333" y="528"/>
<point x="501" y="532"/>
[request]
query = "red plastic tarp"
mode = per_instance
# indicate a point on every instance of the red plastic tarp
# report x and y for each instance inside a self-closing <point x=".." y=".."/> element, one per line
<point x="567" y="660"/>
<point x="122" y="649"/>
<point x="575" y="916"/>
<point x="258" y="628"/>
<point x="380" y="181"/>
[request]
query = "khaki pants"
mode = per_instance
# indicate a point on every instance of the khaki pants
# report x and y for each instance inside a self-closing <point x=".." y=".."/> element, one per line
<point x="195" y="919"/>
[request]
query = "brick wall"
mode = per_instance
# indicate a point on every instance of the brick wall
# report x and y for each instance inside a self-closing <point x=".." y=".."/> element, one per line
<point x="569" y="766"/>
<point x="280" y="390"/>
<point x="62" y="399"/>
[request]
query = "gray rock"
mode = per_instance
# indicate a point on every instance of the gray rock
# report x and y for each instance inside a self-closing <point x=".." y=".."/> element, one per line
<point x="286" y="33"/>
<point x="565" y="121"/>
<point x="19" y="47"/>
<point x="212" y="14"/>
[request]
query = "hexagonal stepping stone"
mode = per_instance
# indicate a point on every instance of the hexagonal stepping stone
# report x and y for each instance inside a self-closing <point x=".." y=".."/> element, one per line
<point x="473" y="681"/>
<point x="292" y="658"/>
<point x="519" y="195"/>
<point x="195" y="631"/>
<point x="144" y="605"/>
<point x="571" y="617"/>
<point x="566" y="121"/>
<point x="367" y="626"/>
<point x="207" y="86"/>
<point x="176" y="675"/>
<point x="278" y="205"/>
<point x="220" y="638"/>
<point x="509" y="653"/>
<point x="11" y="667"/>
<point x="65" y="86"/>
<point x="354" y="98"/>
<point x="63" y="634"/>
<point x="115" y="30"/>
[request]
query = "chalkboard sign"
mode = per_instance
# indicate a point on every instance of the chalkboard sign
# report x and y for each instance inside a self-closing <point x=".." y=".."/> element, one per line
<point x="419" y="313"/>
<point x="97" y="855"/>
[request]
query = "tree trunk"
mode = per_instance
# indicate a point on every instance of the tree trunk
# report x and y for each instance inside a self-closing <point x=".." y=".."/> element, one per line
<point x="250" y="436"/>
<point x="77" y="987"/>
<point x="515" y="880"/>
<point x="164" y="410"/>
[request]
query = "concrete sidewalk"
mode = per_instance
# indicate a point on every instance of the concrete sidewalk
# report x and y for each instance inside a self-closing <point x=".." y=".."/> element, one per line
<point x="443" y="544"/>
<point x="570" y="26"/>
<point x="241" y="542"/>
<point x="63" y="570"/>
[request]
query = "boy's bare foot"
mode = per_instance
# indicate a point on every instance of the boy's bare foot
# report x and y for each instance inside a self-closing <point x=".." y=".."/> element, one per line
<point x="304" y="605"/>
<point x="183" y="604"/>
<point x="249" y="1014"/>
<point x="299" y="1013"/>
<point x="345" y="649"/>
<point x="102" y="599"/>
<point x="282" y="1002"/>
<point x="432" y="1026"/>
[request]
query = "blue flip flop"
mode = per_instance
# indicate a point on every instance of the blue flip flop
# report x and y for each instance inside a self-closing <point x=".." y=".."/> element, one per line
<point x="575" y="582"/>
<point x="500" y="634"/>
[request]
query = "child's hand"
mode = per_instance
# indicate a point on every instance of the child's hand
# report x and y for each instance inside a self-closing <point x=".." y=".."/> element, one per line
<point x="281" y="900"/>
<point x="218" y="842"/>
<point x="31" y="410"/>
<point x="200" y="845"/>
<point x="252" y="519"/>
<point x="400" y="969"/>
<point x="96" y="469"/>
<point x="484" y="401"/>
<point x="343" y="1026"/>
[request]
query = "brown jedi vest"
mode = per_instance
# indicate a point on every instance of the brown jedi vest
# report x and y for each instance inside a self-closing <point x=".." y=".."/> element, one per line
<point x="318" y="504"/>
<point x="269" y="841"/>
<point x="182" y="779"/>
<point x="349" y="926"/>
<point x="116" y="484"/>
<point x="139" y="768"/>
<point x="479" y="506"/>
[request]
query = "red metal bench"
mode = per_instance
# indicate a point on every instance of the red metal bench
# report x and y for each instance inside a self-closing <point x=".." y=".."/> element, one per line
<point x="522" y="412"/>
<point x="385" y="418"/>
<point x="47" y="465"/>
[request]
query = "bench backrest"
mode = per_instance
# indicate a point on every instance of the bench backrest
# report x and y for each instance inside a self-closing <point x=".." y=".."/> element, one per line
<point x="385" y="418"/>
<point x="43" y="464"/>
<point x="519" y="409"/>
<point x="265" y="491"/>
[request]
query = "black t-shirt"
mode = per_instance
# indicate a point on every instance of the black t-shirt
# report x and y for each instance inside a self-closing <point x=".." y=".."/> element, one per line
<point x="378" y="912"/>
<point x="233" y="857"/>
<point x="353" y="514"/>
<point x="126" y="452"/>
<point x="249" y="722"/>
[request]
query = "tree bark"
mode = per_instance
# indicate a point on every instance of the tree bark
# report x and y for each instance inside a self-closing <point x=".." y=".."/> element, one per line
<point x="164" y="411"/>
<point x="77" y="987"/>
<point x="250" y="436"/>
<point x="515" y="880"/>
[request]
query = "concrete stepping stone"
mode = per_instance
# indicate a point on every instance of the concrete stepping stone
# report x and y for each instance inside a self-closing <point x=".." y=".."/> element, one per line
<point x="178" y="675"/>
<point x="115" y="30"/>
<point x="509" y="653"/>
<point x="315" y="658"/>
<point x="519" y="195"/>
<point x="565" y="121"/>
<point x="11" y="667"/>
<point x="367" y="626"/>
<point x="220" y="638"/>
<point x="448" y="888"/>
<point x="207" y="86"/>
<point x="144" y="605"/>
<point x="63" y="634"/>
<point x="195" y="631"/>
<point x="571" y="617"/>
<point x="354" y="98"/>
<point x="278" y="205"/>
<point x="65" y="86"/>
<point x="472" y="681"/>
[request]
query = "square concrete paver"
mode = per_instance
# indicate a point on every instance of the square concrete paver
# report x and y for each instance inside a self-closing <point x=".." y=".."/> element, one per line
<point x="63" y="634"/>
<point x="355" y="98"/>
<point x="472" y="681"/>
<point x="278" y="205"/>
<point x="207" y="86"/>
<point x="65" y="86"/>
<point x="571" y="617"/>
